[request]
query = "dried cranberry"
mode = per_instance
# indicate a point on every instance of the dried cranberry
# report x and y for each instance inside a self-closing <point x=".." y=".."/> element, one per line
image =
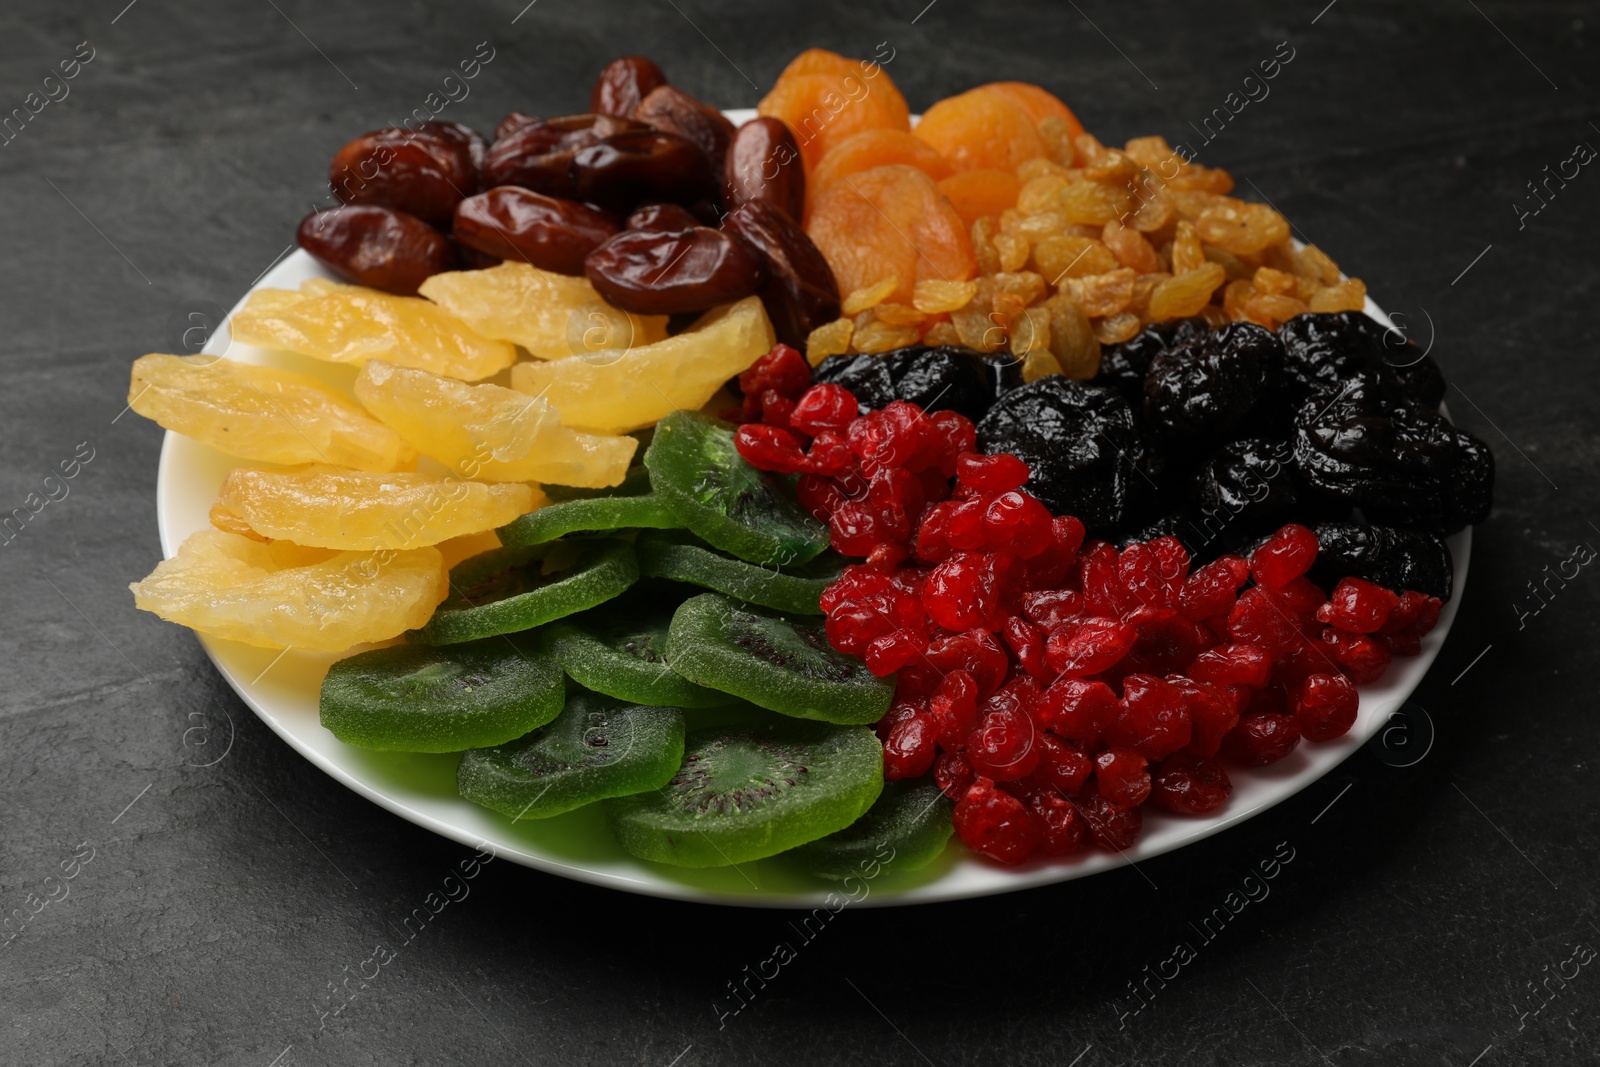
<point x="970" y="589"/>
<point x="1003" y="745"/>
<point x="1121" y="777"/>
<point x="894" y="650"/>
<point x="1285" y="556"/>
<point x="1166" y="642"/>
<point x="1325" y="706"/>
<point x="1186" y="784"/>
<point x="1212" y="712"/>
<point x="1358" y="606"/>
<point x="824" y="407"/>
<point x="1212" y="590"/>
<point x="910" y="748"/>
<point x="1075" y="708"/>
<point x="976" y="652"/>
<point x="1113" y="827"/>
<point x="1262" y="737"/>
<point x="1359" y="656"/>
<point x="952" y="774"/>
<point x="1064" y="831"/>
<point x="1153" y="717"/>
<point x="1018" y="523"/>
<point x="1061" y="767"/>
<point x="998" y="473"/>
<point x="994" y="823"/>
<point x="1259" y="619"/>
<point x="784" y="369"/>
<point x="1233" y="665"/>
<point x="1088" y="646"/>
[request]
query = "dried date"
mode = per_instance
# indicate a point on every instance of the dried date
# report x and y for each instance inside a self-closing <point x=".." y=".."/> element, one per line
<point x="519" y="224"/>
<point x="376" y="246"/>
<point x="670" y="273"/>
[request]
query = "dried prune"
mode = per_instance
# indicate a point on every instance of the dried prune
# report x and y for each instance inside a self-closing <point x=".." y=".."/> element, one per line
<point x="538" y="155"/>
<point x="671" y="110"/>
<point x="631" y="168"/>
<point x="1323" y="350"/>
<point x="800" y="293"/>
<point x="1214" y="386"/>
<point x="1393" y="558"/>
<point x="1123" y="366"/>
<point x="662" y="218"/>
<point x="1401" y="464"/>
<point x="763" y="163"/>
<point x="668" y="273"/>
<point x="376" y="246"/>
<point x="624" y="82"/>
<point x="934" y="377"/>
<point x="519" y="224"/>
<point x="424" y="175"/>
<point x="1079" y="440"/>
<point x="1251" y="479"/>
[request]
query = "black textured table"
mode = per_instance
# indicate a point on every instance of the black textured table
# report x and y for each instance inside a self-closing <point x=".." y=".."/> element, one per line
<point x="1430" y="902"/>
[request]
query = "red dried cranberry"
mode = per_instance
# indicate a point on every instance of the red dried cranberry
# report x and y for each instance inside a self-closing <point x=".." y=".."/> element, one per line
<point x="1262" y="737"/>
<point x="855" y="625"/>
<point x="1139" y="574"/>
<point x="1113" y="827"/>
<point x="1325" y="706"/>
<point x="1186" y="784"/>
<point x="824" y="407"/>
<point x="1121" y="777"/>
<point x="976" y="652"/>
<point x="1212" y="590"/>
<point x="1233" y="665"/>
<point x="1075" y="708"/>
<point x="1166" y="642"/>
<point x="1050" y="608"/>
<point x="1415" y="615"/>
<point x="1050" y="568"/>
<point x="994" y="823"/>
<point x="1152" y="717"/>
<point x="1089" y="646"/>
<point x="952" y="774"/>
<point x="1026" y="642"/>
<point x="994" y="474"/>
<point x="829" y="454"/>
<point x="1285" y="556"/>
<point x="783" y="369"/>
<point x="970" y="589"/>
<point x="955" y="705"/>
<point x="1258" y="619"/>
<point x="1358" y="606"/>
<point x="1359" y="656"/>
<point x="894" y="650"/>
<point x="910" y="748"/>
<point x="1018" y="523"/>
<point x="1173" y="562"/>
<point x="1064" y="829"/>
<point x="956" y="434"/>
<point x="1212" y="712"/>
<point x="770" y="448"/>
<point x="855" y="581"/>
<point x="1002" y="747"/>
<point x="1061" y="767"/>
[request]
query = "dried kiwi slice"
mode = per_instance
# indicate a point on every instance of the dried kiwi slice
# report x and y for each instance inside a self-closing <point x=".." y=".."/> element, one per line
<point x="598" y="748"/>
<point x="906" y="829"/>
<point x="682" y="558"/>
<point x="619" y="649"/>
<point x="412" y="698"/>
<point x="741" y="795"/>
<point x="600" y="514"/>
<point x="701" y="476"/>
<point x="781" y="663"/>
<point x="506" y="590"/>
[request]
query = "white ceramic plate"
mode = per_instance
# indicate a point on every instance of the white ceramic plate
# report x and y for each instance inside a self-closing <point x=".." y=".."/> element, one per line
<point x="282" y="690"/>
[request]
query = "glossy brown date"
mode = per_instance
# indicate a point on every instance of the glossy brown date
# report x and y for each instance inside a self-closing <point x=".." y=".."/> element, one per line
<point x="800" y="292"/>
<point x="669" y="273"/>
<point x="461" y="134"/>
<point x="513" y="122"/>
<point x="624" y="82"/>
<point x="522" y="225"/>
<point x="662" y="218"/>
<point x="376" y="246"/>
<point x="539" y="154"/>
<point x="763" y="163"/>
<point x="631" y="168"/>
<point x="422" y="175"/>
<point x="671" y="110"/>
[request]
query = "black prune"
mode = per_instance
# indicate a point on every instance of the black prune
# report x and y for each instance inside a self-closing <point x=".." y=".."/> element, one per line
<point x="934" y="377"/>
<point x="1393" y="558"/>
<point x="1080" y="441"/>
<point x="1214" y="386"/>
<point x="1399" y="463"/>
<point x="1324" y="350"/>
<point x="1123" y="366"/>
<point x="1251" y="479"/>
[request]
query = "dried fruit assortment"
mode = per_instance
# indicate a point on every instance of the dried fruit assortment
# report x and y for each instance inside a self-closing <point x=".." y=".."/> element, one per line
<point x="1038" y="479"/>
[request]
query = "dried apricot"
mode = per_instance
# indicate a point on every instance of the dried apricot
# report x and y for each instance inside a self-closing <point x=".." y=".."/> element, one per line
<point x="826" y="99"/>
<point x="976" y="193"/>
<point x="877" y="148"/>
<point x="891" y="221"/>
<point x="1037" y="102"/>
<point x="982" y="129"/>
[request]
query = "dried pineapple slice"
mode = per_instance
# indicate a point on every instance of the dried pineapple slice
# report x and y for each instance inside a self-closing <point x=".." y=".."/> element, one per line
<point x="262" y="413"/>
<point x="357" y="511"/>
<point x="350" y="324"/>
<point x="552" y="315"/>
<point x="490" y="433"/>
<point x="614" y="392"/>
<point x="280" y="595"/>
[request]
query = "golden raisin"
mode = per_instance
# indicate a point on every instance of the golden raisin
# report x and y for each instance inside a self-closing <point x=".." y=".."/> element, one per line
<point x="1093" y="202"/>
<point x="1271" y="310"/>
<point x="899" y="315"/>
<point x="1313" y="262"/>
<point x="1072" y="257"/>
<point x="1186" y="251"/>
<point x="1043" y="168"/>
<point x="1101" y="294"/>
<point x="1039" y="363"/>
<point x="882" y="337"/>
<point x="1030" y="332"/>
<point x="1267" y="280"/>
<point x="1040" y="193"/>
<point x="1058" y="134"/>
<point x="1185" y="294"/>
<point x="942" y="333"/>
<point x="1241" y="228"/>
<point x="933" y="297"/>
<point x="1072" y="339"/>
<point x="983" y="246"/>
<point x="1117" y="328"/>
<point x="1013" y="251"/>
<point x="871" y="296"/>
<point x="829" y="339"/>
<point x="1348" y="295"/>
<point x="1130" y="247"/>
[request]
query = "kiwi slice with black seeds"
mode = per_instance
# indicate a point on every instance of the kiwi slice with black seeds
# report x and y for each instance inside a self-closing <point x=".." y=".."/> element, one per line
<point x="619" y="649"/>
<point x="682" y="558"/>
<point x="506" y="590"/>
<point x="598" y="747"/>
<point x="412" y="698"/>
<point x="904" y="830"/>
<point x="780" y="662"/>
<point x="744" y="794"/>
<point x="699" y="474"/>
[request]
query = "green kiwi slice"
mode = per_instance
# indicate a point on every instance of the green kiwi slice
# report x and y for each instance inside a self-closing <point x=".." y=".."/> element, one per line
<point x="597" y="748"/>
<point x="412" y="698"/>
<point x="600" y="514"/>
<point x="682" y="558"/>
<point x="781" y="663"/>
<point x="699" y="474"/>
<point x="741" y="795"/>
<point x="906" y="829"/>
<point x="506" y="590"/>
<point x="619" y="649"/>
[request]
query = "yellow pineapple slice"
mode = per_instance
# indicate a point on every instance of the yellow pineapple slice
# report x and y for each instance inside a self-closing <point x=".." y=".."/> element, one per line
<point x="280" y="595"/>
<point x="552" y="315"/>
<point x="350" y="324"/>
<point x="262" y="413"/>
<point x="490" y="433"/>
<point x="358" y="511"/>
<point x="616" y="391"/>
